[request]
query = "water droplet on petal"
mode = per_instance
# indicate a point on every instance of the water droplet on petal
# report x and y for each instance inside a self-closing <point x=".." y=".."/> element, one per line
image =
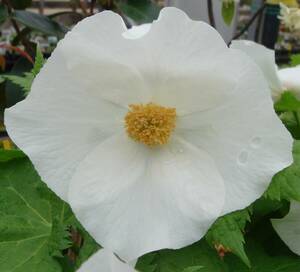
<point x="256" y="142"/>
<point x="243" y="157"/>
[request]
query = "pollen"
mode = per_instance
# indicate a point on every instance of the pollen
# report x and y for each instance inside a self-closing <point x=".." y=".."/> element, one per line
<point x="150" y="124"/>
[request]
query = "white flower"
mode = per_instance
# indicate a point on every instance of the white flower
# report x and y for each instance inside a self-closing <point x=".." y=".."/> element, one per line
<point x="288" y="228"/>
<point x="278" y="80"/>
<point x="265" y="59"/>
<point x="150" y="136"/>
<point x="290" y="17"/>
<point x="105" y="261"/>
<point x="290" y="79"/>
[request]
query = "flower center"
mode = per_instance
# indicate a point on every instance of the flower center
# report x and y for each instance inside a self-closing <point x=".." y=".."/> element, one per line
<point x="150" y="124"/>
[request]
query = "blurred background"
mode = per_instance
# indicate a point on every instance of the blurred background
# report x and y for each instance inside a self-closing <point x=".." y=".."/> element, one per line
<point x="24" y="24"/>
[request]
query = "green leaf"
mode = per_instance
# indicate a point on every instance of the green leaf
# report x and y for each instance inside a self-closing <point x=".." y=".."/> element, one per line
<point x="266" y="252"/>
<point x="263" y="261"/>
<point x="140" y="11"/>
<point x="34" y="222"/>
<point x="39" y="22"/>
<point x="228" y="10"/>
<point x="295" y="60"/>
<point x="291" y="121"/>
<point x="14" y="93"/>
<point x="264" y="248"/>
<point x="228" y="231"/>
<point x="7" y="155"/>
<point x="3" y="13"/>
<point x="26" y="223"/>
<point x="60" y="238"/>
<point x="264" y="207"/>
<point x="88" y="248"/>
<point x="286" y="184"/>
<point x="2" y="79"/>
<point x="198" y="254"/>
<point x="287" y="102"/>
<point x="193" y="269"/>
<point x="39" y="62"/>
<point x="25" y="81"/>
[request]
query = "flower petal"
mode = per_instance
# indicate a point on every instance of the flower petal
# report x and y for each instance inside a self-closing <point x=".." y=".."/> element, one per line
<point x="265" y="59"/>
<point x="69" y="109"/>
<point x="244" y="136"/>
<point x="173" y="59"/>
<point x="288" y="228"/>
<point x="290" y="78"/>
<point x="99" y="63"/>
<point x="139" y="200"/>
<point x="137" y="32"/>
<point x="105" y="261"/>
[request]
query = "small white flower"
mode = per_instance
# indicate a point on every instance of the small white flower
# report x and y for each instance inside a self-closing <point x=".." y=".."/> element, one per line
<point x="105" y="261"/>
<point x="288" y="228"/>
<point x="278" y="80"/>
<point x="150" y="134"/>
<point x="290" y="17"/>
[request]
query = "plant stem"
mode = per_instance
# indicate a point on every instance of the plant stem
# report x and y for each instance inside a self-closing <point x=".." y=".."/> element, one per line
<point x="24" y="41"/>
<point x="210" y="10"/>
<point x="83" y="6"/>
<point x="258" y="26"/>
<point x="246" y="27"/>
<point x="93" y="2"/>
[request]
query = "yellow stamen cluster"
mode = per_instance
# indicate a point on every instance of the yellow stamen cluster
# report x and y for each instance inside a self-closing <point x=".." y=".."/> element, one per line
<point x="150" y="123"/>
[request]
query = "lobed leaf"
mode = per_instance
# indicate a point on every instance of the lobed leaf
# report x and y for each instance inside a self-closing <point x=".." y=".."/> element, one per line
<point x="286" y="183"/>
<point x="7" y="155"/>
<point x="287" y="102"/>
<point x="195" y="256"/>
<point x="228" y="233"/>
<point x="34" y="222"/>
<point x="39" y="61"/>
<point x="25" y="81"/>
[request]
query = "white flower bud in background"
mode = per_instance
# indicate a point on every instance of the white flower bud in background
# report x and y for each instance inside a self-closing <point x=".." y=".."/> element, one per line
<point x="288" y="228"/>
<point x="279" y="80"/>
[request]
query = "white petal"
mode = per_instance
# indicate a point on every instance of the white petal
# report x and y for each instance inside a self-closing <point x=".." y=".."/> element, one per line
<point x="105" y="261"/>
<point x="290" y="78"/>
<point x="75" y="101"/>
<point x="99" y="64"/>
<point x="103" y="29"/>
<point x="174" y="59"/>
<point x="134" y="200"/>
<point x="288" y="228"/>
<point x="137" y="32"/>
<point x="244" y="136"/>
<point x="265" y="59"/>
